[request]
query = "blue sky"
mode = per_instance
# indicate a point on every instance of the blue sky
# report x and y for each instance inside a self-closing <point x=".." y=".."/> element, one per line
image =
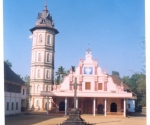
<point x="114" y="30"/>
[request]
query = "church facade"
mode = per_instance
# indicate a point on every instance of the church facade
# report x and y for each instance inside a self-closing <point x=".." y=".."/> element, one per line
<point x="98" y="93"/>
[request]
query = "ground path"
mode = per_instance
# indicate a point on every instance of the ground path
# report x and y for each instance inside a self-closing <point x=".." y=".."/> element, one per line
<point x="42" y="119"/>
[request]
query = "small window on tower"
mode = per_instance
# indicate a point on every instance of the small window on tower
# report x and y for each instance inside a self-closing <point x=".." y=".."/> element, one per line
<point x="48" y="57"/>
<point x="47" y="88"/>
<point x="47" y="74"/>
<point x="48" y="39"/>
<point x="39" y="57"/>
<point x="87" y="86"/>
<point x="38" y="74"/>
<point x="99" y="86"/>
<point x="38" y="88"/>
<point x="40" y="38"/>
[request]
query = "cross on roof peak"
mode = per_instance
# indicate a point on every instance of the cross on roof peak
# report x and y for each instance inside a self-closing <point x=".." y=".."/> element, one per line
<point x="88" y="51"/>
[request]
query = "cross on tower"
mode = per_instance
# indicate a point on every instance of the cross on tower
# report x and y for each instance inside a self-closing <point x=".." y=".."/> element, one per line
<point x="75" y="90"/>
<point x="45" y="2"/>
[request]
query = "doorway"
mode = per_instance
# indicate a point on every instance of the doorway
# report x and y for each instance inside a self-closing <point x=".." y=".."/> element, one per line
<point x="100" y="109"/>
<point x="62" y="106"/>
<point x="113" y="107"/>
<point x="87" y="106"/>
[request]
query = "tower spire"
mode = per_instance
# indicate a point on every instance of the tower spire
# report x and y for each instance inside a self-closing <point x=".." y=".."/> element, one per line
<point x="45" y="6"/>
<point x="45" y="2"/>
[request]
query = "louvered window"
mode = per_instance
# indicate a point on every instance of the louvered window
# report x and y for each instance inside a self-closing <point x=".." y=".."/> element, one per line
<point x="99" y="86"/>
<point x="87" y="86"/>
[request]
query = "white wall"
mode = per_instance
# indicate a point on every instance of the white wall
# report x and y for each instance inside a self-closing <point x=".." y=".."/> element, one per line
<point x="132" y="105"/>
<point x="14" y="97"/>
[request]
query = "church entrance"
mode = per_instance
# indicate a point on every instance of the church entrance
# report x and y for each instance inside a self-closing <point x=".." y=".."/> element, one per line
<point x="87" y="106"/>
<point x="62" y="106"/>
<point x="100" y="108"/>
<point x="113" y="107"/>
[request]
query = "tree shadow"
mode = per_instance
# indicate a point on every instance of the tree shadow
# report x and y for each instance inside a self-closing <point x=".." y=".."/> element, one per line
<point x="30" y="119"/>
<point x="104" y="122"/>
<point x="136" y="114"/>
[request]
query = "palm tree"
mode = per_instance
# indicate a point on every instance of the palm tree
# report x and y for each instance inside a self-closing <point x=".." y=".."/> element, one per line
<point x="60" y="74"/>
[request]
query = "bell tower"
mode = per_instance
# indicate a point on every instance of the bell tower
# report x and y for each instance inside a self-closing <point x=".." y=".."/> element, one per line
<point x="42" y="58"/>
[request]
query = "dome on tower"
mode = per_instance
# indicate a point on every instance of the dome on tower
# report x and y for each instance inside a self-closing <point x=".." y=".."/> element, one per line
<point x="44" y="20"/>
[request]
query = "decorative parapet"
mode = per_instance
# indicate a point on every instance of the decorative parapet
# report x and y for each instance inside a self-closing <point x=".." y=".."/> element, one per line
<point x="95" y="78"/>
<point x="80" y="78"/>
<point x="95" y="63"/>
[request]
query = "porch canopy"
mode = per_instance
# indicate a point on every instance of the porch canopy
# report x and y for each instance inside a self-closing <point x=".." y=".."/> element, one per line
<point x="87" y="94"/>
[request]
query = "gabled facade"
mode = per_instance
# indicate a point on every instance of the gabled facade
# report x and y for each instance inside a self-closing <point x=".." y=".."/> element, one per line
<point x="98" y="93"/>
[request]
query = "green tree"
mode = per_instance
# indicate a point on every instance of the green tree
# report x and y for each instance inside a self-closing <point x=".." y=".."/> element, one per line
<point x="137" y="84"/>
<point x="115" y="73"/>
<point x="26" y="79"/>
<point x="8" y="63"/>
<point x="60" y="75"/>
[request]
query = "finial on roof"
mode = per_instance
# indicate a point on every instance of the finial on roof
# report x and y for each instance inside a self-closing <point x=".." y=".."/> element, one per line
<point x="88" y="51"/>
<point x="45" y="6"/>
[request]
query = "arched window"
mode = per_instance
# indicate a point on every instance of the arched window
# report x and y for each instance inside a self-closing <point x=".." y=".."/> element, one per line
<point x="38" y="88"/>
<point x="39" y="57"/>
<point x="47" y="74"/>
<point x="48" y="57"/>
<point x="40" y="38"/>
<point x="48" y="39"/>
<point x="47" y="88"/>
<point x="38" y="74"/>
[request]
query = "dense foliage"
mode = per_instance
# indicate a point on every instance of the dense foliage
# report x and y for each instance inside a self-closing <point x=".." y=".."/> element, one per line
<point x="137" y="84"/>
<point x="8" y="63"/>
<point x="60" y="74"/>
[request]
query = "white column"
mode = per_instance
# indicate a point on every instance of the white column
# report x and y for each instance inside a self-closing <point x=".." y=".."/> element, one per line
<point x="127" y="104"/>
<point x="124" y="107"/>
<point x="93" y="106"/>
<point x="77" y="102"/>
<point x="105" y="106"/>
<point x="66" y="106"/>
<point x="47" y="104"/>
<point x="50" y="103"/>
<point x="133" y="106"/>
